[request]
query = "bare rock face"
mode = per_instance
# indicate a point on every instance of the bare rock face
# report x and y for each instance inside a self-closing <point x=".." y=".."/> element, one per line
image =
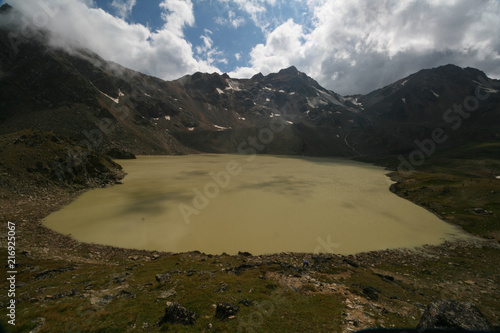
<point x="453" y="314"/>
<point x="177" y="314"/>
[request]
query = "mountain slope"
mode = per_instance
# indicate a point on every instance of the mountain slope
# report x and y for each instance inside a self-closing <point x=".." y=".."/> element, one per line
<point x="464" y="103"/>
<point x="103" y="105"/>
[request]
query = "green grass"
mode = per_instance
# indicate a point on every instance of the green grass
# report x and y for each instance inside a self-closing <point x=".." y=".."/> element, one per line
<point x="455" y="182"/>
<point x="275" y="306"/>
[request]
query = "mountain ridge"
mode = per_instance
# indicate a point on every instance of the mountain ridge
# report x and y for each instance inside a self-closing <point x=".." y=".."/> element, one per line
<point x="76" y="93"/>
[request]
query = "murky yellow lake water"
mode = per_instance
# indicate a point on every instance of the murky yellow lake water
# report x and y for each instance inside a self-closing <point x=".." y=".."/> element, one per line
<point x="231" y="203"/>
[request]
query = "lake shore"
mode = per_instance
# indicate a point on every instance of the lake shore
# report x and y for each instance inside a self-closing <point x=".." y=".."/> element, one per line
<point x="223" y="203"/>
<point x="87" y="273"/>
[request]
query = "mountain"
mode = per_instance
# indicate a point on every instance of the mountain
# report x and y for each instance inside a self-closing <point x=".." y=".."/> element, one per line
<point x="103" y="105"/>
<point x="463" y="102"/>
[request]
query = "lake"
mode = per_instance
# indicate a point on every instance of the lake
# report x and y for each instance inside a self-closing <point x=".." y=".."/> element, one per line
<point x="260" y="204"/>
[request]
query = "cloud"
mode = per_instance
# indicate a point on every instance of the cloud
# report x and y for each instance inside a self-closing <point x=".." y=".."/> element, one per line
<point x="255" y="9"/>
<point x="76" y="23"/>
<point x="356" y="46"/>
<point x="123" y="7"/>
<point x="349" y="46"/>
<point x="232" y="20"/>
<point x="177" y="14"/>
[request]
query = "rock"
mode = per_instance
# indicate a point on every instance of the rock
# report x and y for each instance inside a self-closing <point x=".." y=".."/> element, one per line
<point x="371" y="293"/>
<point x="245" y="302"/>
<point x="125" y="294"/>
<point x="162" y="277"/>
<point x="244" y="254"/>
<point x="167" y="293"/>
<point x="226" y="310"/>
<point x="350" y="262"/>
<point x="177" y="314"/>
<point x="222" y="288"/>
<point x="67" y="293"/>
<point x="453" y="314"/>
<point x="101" y="301"/>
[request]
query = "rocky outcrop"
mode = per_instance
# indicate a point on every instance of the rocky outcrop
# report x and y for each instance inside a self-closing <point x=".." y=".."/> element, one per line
<point x="453" y="314"/>
<point x="33" y="158"/>
<point x="120" y="154"/>
<point x="177" y="314"/>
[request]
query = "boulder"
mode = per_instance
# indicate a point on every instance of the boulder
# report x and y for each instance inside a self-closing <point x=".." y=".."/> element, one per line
<point x="162" y="277"/>
<point x="177" y="314"/>
<point x="226" y="310"/>
<point x="371" y="293"/>
<point x="453" y="314"/>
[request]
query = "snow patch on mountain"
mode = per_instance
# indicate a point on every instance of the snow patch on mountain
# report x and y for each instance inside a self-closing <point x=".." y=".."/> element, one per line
<point x="330" y="97"/>
<point x="233" y="85"/>
<point x="487" y="89"/>
<point x="116" y="100"/>
<point x="354" y="100"/>
<point x="221" y="128"/>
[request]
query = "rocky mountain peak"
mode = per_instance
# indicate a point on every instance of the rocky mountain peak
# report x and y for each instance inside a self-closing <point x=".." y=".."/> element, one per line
<point x="292" y="70"/>
<point x="5" y="8"/>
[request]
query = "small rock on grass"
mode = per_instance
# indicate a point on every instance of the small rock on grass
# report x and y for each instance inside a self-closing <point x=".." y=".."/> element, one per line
<point x="177" y="314"/>
<point x="226" y="310"/>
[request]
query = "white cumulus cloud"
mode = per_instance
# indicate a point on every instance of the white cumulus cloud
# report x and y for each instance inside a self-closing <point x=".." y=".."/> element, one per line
<point x="76" y="23"/>
<point x="123" y="7"/>
<point x="356" y="46"/>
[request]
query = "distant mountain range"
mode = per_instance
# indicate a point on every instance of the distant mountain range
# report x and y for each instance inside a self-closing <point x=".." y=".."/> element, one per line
<point x="103" y="105"/>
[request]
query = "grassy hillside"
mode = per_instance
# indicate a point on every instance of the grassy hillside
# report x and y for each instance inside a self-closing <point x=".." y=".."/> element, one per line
<point x="460" y="186"/>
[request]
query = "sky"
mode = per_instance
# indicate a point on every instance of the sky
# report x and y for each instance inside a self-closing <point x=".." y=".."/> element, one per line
<point x="348" y="46"/>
